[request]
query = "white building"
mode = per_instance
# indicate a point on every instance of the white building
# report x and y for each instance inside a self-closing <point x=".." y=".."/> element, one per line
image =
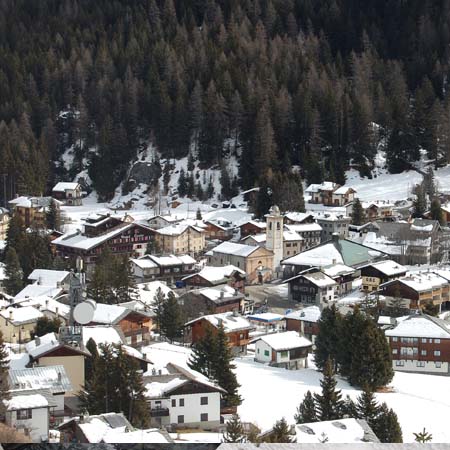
<point x="289" y="350"/>
<point x="182" y="397"/>
<point x="29" y="415"/>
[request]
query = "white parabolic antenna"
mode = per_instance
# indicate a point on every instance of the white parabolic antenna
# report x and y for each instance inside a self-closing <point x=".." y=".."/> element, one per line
<point x="83" y="313"/>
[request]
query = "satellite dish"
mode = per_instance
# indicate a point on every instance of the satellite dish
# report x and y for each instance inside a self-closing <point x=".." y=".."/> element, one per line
<point x="83" y="313"/>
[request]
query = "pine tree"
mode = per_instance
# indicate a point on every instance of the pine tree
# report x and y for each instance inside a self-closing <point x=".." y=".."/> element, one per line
<point x="367" y="407"/>
<point x="327" y="340"/>
<point x="263" y="199"/>
<point x="358" y="215"/>
<point x="13" y="272"/>
<point x="306" y="412"/>
<point x="53" y="216"/>
<point x="91" y="346"/>
<point x="386" y="426"/>
<point x="204" y="354"/>
<point x="198" y="215"/>
<point x="15" y="235"/>
<point x="182" y="184"/>
<point x="234" y="430"/>
<point x="371" y="363"/>
<point x="281" y="433"/>
<point x="223" y="370"/>
<point x="423" y="437"/>
<point x="4" y="375"/>
<point x="123" y="282"/>
<point x="435" y="211"/>
<point x="329" y="403"/>
<point x="45" y="325"/>
<point x="420" y="202"/>
<point x="158" y="308"/>
<point x="171" y="319"/>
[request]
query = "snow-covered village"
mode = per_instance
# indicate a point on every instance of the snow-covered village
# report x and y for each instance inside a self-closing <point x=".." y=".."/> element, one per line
<point x="224" y="224"/>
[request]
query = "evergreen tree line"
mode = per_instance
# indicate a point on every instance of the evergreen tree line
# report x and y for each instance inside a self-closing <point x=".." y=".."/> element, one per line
<point x="329" y="405"/>
<point x="357" y="347"/>
<point x="212" y="357"/>
<point x="114" y="383"/>
<point x="274" y="82"/>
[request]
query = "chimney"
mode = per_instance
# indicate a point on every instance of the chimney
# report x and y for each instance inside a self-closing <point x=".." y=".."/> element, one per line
<point x="59" y="377"/>
<point x="46" y="303"/>
<point x="235" y="313"/>
<point x="333" y="262"/>
<point x="159" y="372"/>
<point x="39" y="281"/>
<point x="335" y="237"/>
<point x="219" y="321"/>
<point x="222" y="294"/>
<point x="38" y="341"/>
<point x="56" y="310"/>
<point x="10" y="314"/>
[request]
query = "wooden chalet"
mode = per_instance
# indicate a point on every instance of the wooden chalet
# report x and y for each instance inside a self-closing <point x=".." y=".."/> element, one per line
<point x="251" y="228"/>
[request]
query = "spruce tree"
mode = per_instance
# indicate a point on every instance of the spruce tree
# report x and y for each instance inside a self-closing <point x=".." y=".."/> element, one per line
<point x="371" y="362"/>
<point x="53" y="216"/>
<point x="435" y="211"/>
<point x="182" y="183"/>
<point x="158" y="308"/>
<point x="122" y="282"/>
<point x="386" y="426"/>
<point x="423" y="437"/>
<point x="223" y="370"/>
<point x="4" y="371"/>
<point x="15" y="235"/>
<point x="91" y="346"/>
<point x="306" y="412"/>
<point x="204" y="354"/>
<point x="171" y="319"/>
<point x="358" y="215"/>
<point x="281" y="433"/>
<point x="329" y="402"/>
<point x="327" y="340"/>
<point x="198" y="215"/>
<point x="234" y="430"/>
<point x="13" y="272"/>
<point x="420" y="202"/>
<point x="367" y="407"/>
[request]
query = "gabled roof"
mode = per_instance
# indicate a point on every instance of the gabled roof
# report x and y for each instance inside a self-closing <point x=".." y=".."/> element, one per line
<point x="21" y="316"/>
<point x="319" y="279"/>
<point x="304" y="227"/>
<point x="255" y="223"/>
<point x="219" y="295"/>
<point x="388" y="267"/>
<point x="228" y="320"/>
<point x="298" y="217"/>
<point x="42" y="346"/>
<point x="53" y="378"/>
<point x="216" y="275"/>
<point x="65" y="186"/>
<point x="284" y="341"/>
<point x="231" y="248"/>
<point x="337" y="270"/>
<point x="325" y="186"/>
<point x="47" y="277"/>
<point x="308" y="314"/>
<point x="340" y="251"/>
<point x="343" y="190"/>
<point x="421" y="325"/>
<point x="35" y="290"/>
<point x="24" y="401"/>
<point x="420" y="282"/>
<point x="177" y="230"/>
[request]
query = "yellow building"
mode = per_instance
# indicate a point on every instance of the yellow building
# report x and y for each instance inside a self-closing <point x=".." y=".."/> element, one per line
<point x="33" y="210"/>
<point x="180" y="239"/>
<point x="16" y="324"/>
<point x="4" y="223"/>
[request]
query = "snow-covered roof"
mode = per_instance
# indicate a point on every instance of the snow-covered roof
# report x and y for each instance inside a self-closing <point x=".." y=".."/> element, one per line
<point x="2" y="272"/>
<point x="421" y="326"/>
<point x="228" y="320"/>
<point x="163" y="353"/>
<point x="47" y="304"/>
<point x="176" y="230"/>
<point x="144" y="263"/>
<point x="18" y="316"/>
<point x="325" y="186"/>
<point x="145" y="293"/>
<point x="319" y="279"/>
<point x="109" y="314"/>
<point x="26" y="402"/>
<point x="308" y="314"/>
<point x="284" y="341"/>
<point x="42" y="344"/>
<point x="338" y="270"/>
<point x="297" y="216"/>
<point x="265" y="317"/>
<point x="216" y="274"/>
<point x="170" y="260"/>
<point x="37" y="202"/>
<point x="343" y="190"/>
<point x="36" y="290"/>
<point x="150" y="436"/>
<point x="80" y="241"/>
<point x="389" y="267"/>
<point x="53" y="378"/>
<point x="422" y="281"/>
<point x="47" y="277"/>
<point x="256" y="223"/>
<point x="63" y="186"/>
<point x="335" y="432"/>
<point x="215" y="294"/>
<point x="101" y="335"/>
<point x="231" y="248"/>
<point x="304" y="227"/>
<point x="96" y="428"/>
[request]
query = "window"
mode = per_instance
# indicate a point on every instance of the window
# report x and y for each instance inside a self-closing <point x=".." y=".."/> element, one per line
<point x="399" y="363"/>
<point x="204" y="417"/>
<point x="394" y="339"/>
<point x="203" y="400"/>
<point x="423" y="352"/>
<point x="181" y="402"/>
<point x="180" y="419"/>
<point x="394" y="351"/>
<point x="424" y="340"/>
<point x="438" y="364"/>
<point x="24" y="414"/>
<point x="266" y="353"/>
<point x="437" y="341"/>
<point x="284" y="354"/>
<point x="174" y="402"/>
<point x="420" y="363"/>
<point x="437" y="353"/>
